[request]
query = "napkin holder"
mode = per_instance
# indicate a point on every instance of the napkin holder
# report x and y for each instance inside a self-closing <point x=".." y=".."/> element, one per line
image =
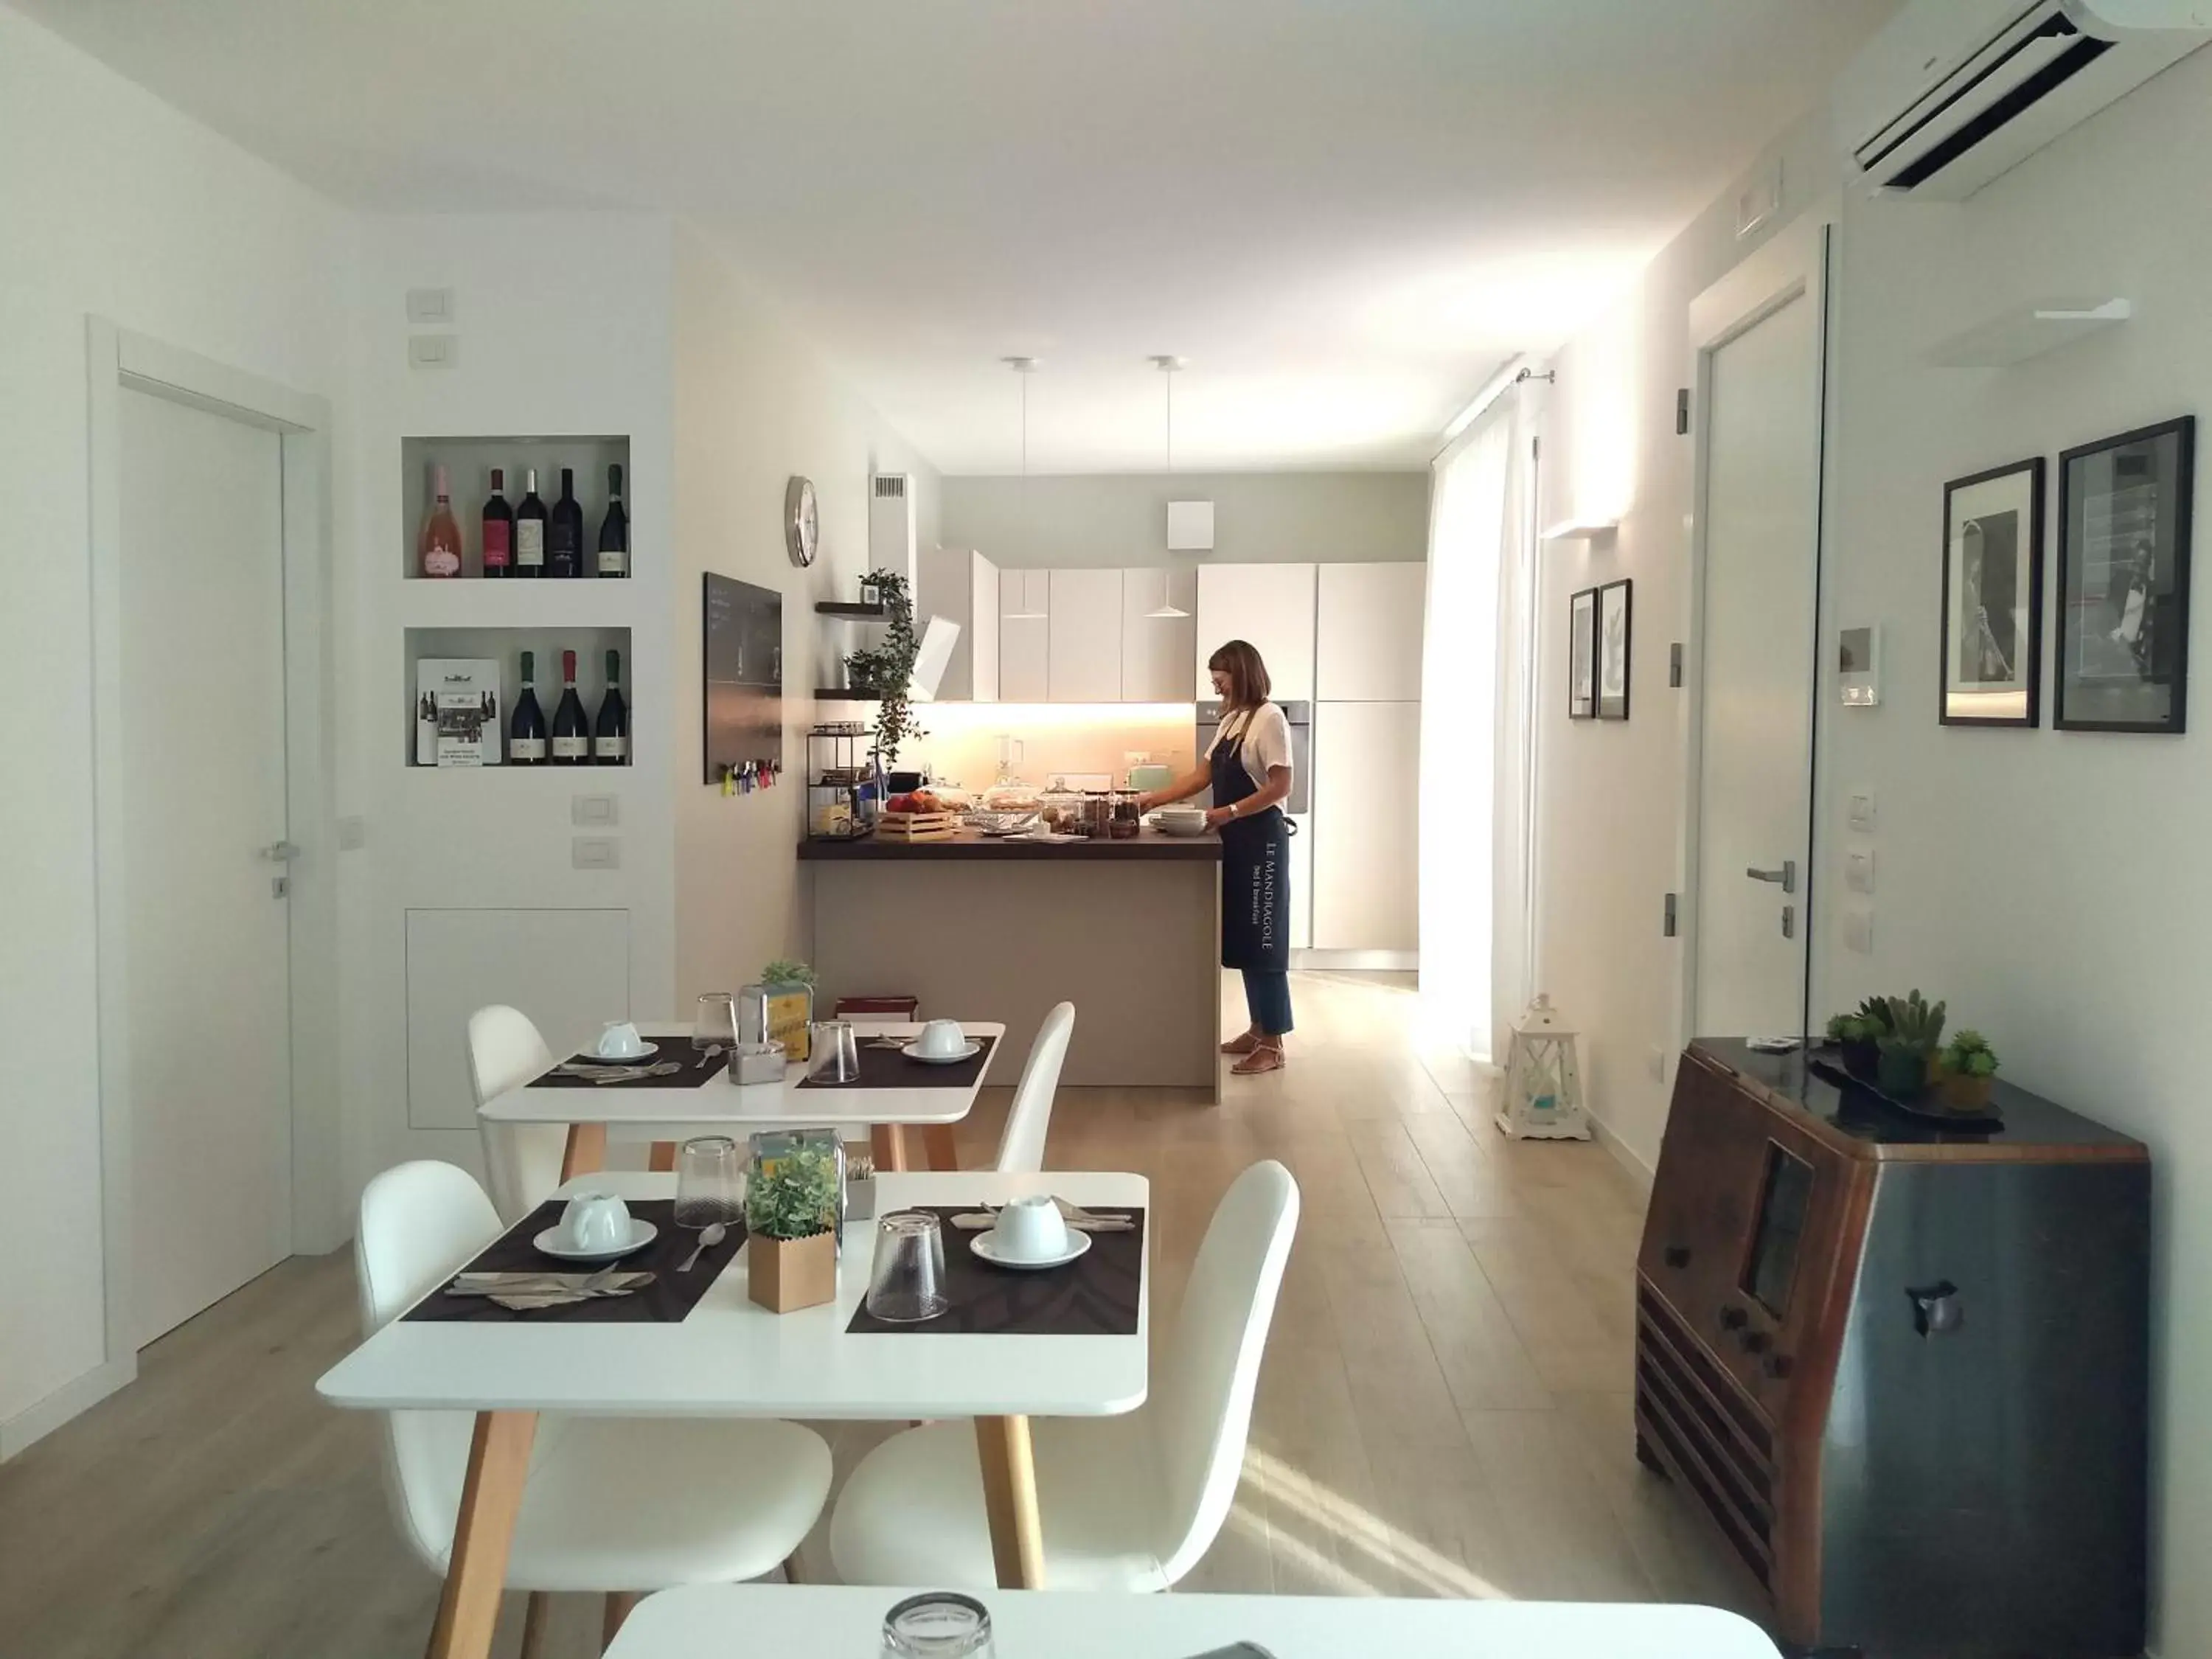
<point x="757" y="1062"/>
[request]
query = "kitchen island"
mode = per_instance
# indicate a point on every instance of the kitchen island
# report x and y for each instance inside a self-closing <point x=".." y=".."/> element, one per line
<point x="993" y="928"/>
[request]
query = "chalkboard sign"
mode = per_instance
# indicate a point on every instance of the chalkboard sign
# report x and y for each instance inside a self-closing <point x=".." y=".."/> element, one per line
<point x="744" y="691"/>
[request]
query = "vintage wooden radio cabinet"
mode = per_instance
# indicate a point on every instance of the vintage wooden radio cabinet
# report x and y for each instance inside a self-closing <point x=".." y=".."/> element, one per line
<point x="1902" y="1367"/>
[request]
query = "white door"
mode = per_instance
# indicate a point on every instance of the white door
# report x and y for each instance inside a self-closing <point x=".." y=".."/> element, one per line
<point x="1270" y="606"/>
<point x="1084" y="655"/>
<point x="1025" y="636"/>
<point x="1366" y="849"/>
<point x="1761" y="449"/>
<point x="1155" y="649"/>
<point x="206" y="933"/>
<point x="1367" y="632"/>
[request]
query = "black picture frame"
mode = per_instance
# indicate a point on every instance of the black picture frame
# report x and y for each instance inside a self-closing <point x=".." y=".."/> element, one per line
<point x="1582" y="655"/>
<point x="2102" y="632"/>
<point x="1614" y="648"/>
<point x="2003" y="565"/>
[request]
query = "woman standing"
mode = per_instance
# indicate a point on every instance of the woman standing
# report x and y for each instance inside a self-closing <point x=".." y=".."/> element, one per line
<point x="1248" y="769"/>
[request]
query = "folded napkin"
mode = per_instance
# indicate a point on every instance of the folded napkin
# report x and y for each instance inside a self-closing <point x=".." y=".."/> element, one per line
<point x="523" y="1291"/>
<point x="1077" y="1219"/>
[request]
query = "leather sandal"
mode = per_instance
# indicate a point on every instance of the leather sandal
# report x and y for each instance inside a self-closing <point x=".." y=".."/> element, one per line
<point x="1240" y="1045"/>
<point x="1264" y="1057"/>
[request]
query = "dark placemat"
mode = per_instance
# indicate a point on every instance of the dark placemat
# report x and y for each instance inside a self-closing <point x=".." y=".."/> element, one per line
<point x="698" y="1067"/>
<point x="887" y="1068"/>
<point x="1097" y="1294"/>
<point x="666" y="1301"/>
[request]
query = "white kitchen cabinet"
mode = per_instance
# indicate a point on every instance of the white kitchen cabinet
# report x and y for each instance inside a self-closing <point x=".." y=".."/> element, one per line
<point x="1156" y="650"/>
<point x="568" y="969"/>
<point x="1367" y="632"/>
<point x="1301" y="881"/>
<point x="983" y="647"/>
<point x="962" y="585"/>
<point x="1366" y="768"/>
<point x="1084" y="649"/>
<point x="1024" y="635"/>
<point x="1272" y="605"/>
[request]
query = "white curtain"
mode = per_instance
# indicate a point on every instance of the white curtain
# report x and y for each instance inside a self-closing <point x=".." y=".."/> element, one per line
<point x="1475" y="754"/>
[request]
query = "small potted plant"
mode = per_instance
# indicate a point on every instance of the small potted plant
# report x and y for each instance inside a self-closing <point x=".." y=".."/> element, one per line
<point x="1859" y="1036"/>
<point x="791" y="1225"/>
<point x="1969" y="1071"/>
<point x="1908" y="1049"/>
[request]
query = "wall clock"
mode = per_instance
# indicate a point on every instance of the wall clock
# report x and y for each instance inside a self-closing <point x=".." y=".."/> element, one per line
<point x="802" y="526"/>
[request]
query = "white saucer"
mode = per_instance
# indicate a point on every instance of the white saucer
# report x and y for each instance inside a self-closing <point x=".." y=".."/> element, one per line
<point x="642" y="1233"/>
<point x="912" y="1051"/>
<point x="985" y="1244"/>
<point x="593" y="1055"/>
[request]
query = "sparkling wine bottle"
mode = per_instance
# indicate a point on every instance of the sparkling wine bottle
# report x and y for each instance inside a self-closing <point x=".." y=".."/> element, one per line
<point x="572" y="734"/>
<point x="440" y="545"/>
<point x="610" y="735"/>
<point x="614" y="529"/>
<point x="526" y="738"/>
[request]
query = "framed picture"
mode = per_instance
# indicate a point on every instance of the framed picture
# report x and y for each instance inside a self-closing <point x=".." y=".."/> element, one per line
<point x="1992" y="634"/>
<point x="2124" y="580"/>
<point x="1613" y="640"/>
<point x="1582" y="655"/>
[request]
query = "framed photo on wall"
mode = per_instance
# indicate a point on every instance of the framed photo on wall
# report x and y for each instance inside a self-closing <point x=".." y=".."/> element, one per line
<point x="2123" y="508"/>
<point x="1992" y="634"/>
<point x="1613" y="641"/>
<point x="1582" y="655"/>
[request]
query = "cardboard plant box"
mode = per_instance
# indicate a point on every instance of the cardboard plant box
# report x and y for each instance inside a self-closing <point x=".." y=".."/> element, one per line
<point x="786" y="1274"/>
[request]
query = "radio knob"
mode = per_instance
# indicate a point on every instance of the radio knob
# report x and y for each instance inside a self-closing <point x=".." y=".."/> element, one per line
<point x="1778" y="1366"/>
<point x="1678" y="1255"/>
<point x="1733" y="1319"/>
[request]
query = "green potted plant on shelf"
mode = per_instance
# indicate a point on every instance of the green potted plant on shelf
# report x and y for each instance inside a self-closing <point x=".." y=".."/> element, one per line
<point x="1969" y="1071"/>
<point x="1859" y="1036"/>
<point x="887" y="670"/>
<point x="1907" y="1050"/>
<point x="791" y="1225"/>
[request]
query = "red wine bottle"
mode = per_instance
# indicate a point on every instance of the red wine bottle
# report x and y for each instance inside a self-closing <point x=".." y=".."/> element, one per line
<point x="572" y="734"/>
<point x="525" y="737"/>
<point x="610" y="735"/>
<point x="530" y="529"/>
<point x="440" y="545"/>
<point x="614" y="530"/>
<point x="498" y="530"/>
<point x="564" y="531"/>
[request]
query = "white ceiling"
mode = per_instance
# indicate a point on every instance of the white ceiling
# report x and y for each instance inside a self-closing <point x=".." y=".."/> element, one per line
<point x="1345" y="213"/>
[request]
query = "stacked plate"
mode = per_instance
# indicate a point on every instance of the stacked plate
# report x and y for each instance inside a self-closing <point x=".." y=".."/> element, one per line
<point x="1180" y="820"/>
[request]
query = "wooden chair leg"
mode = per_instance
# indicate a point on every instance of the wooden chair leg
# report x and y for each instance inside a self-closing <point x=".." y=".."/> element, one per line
<point x="888" y="1142"/>
<point x="1010" y="1501"/>
<point x="662" y="1159"/>
<point x="586" y="1150"/>
<point x="940" y="1147"/>
<point x="484" y="1531"/>
<point x="534" y="1612"/>
<point x="619" y="1603"/>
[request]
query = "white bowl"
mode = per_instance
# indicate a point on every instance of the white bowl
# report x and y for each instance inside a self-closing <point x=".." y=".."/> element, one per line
<point x="1191" y="824"/>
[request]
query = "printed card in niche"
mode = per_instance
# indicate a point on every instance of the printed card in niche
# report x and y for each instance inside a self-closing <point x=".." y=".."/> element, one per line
<point x="457" y="712"/>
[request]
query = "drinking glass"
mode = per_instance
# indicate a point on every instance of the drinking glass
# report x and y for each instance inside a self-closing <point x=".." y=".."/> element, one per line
<point x="716" y="1024"/>
<point x="707" y="1184"/>
<point x="908" y="1283"/>
<point x="937" y="1625"/>
<point x="836" y="1051"/>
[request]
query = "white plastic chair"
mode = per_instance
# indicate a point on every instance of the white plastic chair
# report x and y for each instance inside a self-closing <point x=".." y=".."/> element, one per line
<point x="1125" y="1503"/>
<point x="612" y="1505"/>
<point x="521" y="1160"/>
<point x="1021" y="1148"/>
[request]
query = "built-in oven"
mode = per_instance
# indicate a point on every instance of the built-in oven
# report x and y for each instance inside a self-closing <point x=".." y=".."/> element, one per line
<point x="1300" y="716"/>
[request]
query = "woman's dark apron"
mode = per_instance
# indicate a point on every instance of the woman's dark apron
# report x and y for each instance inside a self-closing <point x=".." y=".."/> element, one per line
<point x="1255" y="869"/>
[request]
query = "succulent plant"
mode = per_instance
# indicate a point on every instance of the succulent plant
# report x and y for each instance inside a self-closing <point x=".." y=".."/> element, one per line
<point x="1914" y="1025"/>
<point x="1873" y="1018"/>
<point x="1969" y="1054"/>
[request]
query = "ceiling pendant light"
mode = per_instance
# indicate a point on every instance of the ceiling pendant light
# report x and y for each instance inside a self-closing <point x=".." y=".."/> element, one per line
<point x="1167" y="367"/>
<point x="1023" y="367"/>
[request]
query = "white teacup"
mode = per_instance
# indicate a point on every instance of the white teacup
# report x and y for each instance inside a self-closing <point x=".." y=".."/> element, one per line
<point x="941" y="1039"/>
<point x="1030" y="1230"/>
<point x="595" y="1221"/>
<point x="620" y="1040"/>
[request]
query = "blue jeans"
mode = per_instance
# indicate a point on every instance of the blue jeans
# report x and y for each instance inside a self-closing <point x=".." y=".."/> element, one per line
<point x="1267" y="994"/>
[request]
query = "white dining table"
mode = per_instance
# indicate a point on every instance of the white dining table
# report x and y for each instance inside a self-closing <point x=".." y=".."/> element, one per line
<point x="731" y="1358"/>
<point x="715" y="1103"/>
<point x="834" y="1621"/>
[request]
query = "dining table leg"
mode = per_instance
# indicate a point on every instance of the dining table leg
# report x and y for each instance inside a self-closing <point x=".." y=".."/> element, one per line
<point x="1010" y="1501"/>
<point x="483" y="1530"/>
<point x="940" y="1147"/>
<point x="586" y="1150"/>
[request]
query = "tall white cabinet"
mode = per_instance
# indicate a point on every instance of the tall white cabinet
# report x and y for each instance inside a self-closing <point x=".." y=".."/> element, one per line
<point x="1367" y="632"/>
<point x="1272" y="605"/>
<point x="1024" y="635"/>
<point x="1156" y="650"/>
<point x="1083" y="633"/>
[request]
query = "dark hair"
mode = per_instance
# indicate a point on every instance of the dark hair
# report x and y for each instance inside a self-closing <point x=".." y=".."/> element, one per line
<point x="1247" y="675"/>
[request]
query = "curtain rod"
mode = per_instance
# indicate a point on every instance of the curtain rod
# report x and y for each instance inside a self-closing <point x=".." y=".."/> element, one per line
<point x="1501" y="383"/>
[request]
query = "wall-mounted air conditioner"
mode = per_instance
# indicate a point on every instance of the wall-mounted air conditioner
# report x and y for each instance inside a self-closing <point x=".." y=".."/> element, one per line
<point x="1954" y="93"/>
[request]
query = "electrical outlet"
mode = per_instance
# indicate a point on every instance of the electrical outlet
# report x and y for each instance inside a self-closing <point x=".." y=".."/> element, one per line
<point x="1861" y="809"/>
<point x="593" y="810"/>
<point x="353" y="834"/>
<point x="1858" y="869"/>
<point x="595" y="852"/>
<point x="433" y="351"/>
<point x="429" y="306"/>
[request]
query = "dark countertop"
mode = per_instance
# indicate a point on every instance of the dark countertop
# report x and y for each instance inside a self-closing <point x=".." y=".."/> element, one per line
<point x="1150" y="847"/>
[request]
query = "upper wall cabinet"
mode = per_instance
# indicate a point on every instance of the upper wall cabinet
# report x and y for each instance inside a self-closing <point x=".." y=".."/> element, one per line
<point x="1272" y="605"/>
<point x="1156" y="650"/>
<point x="1024" y="637"/>
<point x="983" y="645"/>
<point x="1084" y="659"/>
<point x="1367" y="634"/>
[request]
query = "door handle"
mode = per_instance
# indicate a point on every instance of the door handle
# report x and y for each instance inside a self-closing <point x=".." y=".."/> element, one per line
<point x="1787" y="875"/>
<point x="279" y="852"/>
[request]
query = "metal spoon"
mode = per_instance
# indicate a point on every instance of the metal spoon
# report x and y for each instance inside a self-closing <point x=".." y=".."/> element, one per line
<point x="712" y="1234"/>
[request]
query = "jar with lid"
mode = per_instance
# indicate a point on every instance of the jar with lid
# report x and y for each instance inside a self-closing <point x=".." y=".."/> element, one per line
<point x="1123" y="819"/>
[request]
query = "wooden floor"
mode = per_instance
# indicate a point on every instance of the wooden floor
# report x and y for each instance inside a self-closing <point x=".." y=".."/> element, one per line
<point x="1444" y="1408"/>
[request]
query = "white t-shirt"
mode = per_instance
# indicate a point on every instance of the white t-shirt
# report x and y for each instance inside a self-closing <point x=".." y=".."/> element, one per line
<point x="1266" y="738"/>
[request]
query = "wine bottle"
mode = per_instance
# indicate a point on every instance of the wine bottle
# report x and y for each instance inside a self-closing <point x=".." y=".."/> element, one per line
<point x="611" y="735"/>
<point x="440" y="545"/>
<point x="498" y="530"/>
<point x="526" y="738"/>
<point x="572" y="734"/>
<point x="614" y="530"/>
<point x="564" y="531"/>
<point x="530" y="529"/>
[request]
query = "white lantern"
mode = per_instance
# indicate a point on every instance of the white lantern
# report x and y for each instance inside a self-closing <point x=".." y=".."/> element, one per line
<point x="1543" y="1081"/>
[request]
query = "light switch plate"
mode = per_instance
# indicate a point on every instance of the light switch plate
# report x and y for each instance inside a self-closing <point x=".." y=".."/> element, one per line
<point x="595" y="852"/>
<point x="433" y="351"/>
<point x="353" y="833"/>
<point x="1858" y="930"/>
<point x="429" y="305"/>
<point x="1861" y="809"/>
<point x="1858" y="869"/>
<point x="594" y="811"/>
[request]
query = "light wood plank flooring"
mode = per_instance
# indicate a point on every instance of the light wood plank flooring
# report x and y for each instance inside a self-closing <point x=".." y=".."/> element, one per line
<point x="1445" y="1409"/>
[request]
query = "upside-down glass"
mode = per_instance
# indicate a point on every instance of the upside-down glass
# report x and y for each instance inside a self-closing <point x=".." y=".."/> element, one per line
<point x="716" y="1024"/>
<point x="836" y="1051"/>
<point x="937" y="1625"/>
<point x="708" y="1188"/>
<point x="907" y="1284"/>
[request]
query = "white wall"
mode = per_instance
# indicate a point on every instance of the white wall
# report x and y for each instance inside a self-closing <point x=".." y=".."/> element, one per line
<point x="114" y="205"/>
<point x="754" y="405"/>
<point x="1259" y="518"/>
